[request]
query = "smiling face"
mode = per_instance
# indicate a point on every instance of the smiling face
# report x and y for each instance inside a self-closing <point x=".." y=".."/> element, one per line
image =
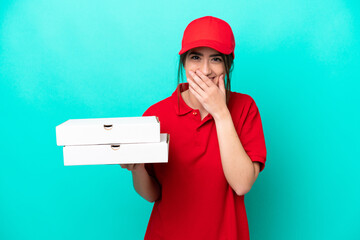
<point x="207" y="60"/>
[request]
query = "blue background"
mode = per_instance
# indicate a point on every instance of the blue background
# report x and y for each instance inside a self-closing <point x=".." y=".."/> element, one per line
<point x="63" y="60"/>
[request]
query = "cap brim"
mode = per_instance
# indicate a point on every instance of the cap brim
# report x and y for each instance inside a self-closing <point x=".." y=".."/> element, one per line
<point x="206" y="43"/>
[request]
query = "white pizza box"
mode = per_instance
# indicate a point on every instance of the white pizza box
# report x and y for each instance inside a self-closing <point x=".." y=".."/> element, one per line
<point x="108" y="131"/>
<point x="118" y="153"/>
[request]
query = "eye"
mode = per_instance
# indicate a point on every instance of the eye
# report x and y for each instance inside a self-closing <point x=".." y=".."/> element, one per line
<point x="194" y="57"/>
<point x="217" y="59"/>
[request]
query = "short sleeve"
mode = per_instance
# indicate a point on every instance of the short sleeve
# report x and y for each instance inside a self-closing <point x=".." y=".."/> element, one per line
<point x="251" y="135"/>
<point x="149" y="166"/>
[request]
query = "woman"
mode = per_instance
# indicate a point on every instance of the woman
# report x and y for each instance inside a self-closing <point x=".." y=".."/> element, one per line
<point x="217" y="146"/>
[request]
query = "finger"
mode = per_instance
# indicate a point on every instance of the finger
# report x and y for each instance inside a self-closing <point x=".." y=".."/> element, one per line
<point x="131" y="167"/>
<point x="199" y="81"/>
<point x="123" y="165"/>
<point x="205" y="79"/>
<point x="197" y="95"/>
<point x="195" y="87"/>
<point x="222" y="83"/>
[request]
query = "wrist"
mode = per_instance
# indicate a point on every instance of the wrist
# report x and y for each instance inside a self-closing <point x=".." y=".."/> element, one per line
<point x="223" y="114"/>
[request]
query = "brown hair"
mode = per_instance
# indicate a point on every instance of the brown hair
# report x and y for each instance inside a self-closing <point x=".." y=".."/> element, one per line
<point x="228" y="63"/>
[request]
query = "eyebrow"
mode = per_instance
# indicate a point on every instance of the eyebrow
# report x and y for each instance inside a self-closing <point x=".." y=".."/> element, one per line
<point x="200" y="54"/>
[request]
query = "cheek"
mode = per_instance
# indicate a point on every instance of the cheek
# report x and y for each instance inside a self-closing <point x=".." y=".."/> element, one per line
<point x="191" y="66"/>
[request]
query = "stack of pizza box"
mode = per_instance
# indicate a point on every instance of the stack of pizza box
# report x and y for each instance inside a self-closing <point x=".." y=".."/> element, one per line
<point x="122" y="140"/>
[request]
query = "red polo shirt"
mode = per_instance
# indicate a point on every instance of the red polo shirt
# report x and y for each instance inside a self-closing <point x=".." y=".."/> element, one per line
<point x="196" y="200"/>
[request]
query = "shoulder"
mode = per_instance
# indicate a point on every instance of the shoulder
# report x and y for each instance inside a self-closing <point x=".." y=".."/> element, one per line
<point x="241" y="101"/>
<point x="159" y="107"/>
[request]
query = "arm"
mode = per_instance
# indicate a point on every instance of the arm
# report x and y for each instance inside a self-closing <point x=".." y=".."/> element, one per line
<point x="240" y="171"/>
<point x="144" y="184"/>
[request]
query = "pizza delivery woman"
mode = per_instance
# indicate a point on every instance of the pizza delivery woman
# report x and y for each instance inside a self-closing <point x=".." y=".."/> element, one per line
<point x="217" y="145"/>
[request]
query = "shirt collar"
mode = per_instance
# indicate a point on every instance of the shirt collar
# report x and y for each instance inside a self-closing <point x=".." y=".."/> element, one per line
<point x="181" y="108"/>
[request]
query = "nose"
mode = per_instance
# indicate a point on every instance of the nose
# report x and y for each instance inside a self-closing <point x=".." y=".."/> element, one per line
<point x="205" y="68"/>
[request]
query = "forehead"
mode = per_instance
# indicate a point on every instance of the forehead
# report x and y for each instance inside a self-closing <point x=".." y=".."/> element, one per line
<point x="204" y="50"/>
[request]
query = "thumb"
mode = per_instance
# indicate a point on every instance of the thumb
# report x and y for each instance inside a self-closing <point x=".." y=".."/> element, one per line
<point x="222" y="83"/>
